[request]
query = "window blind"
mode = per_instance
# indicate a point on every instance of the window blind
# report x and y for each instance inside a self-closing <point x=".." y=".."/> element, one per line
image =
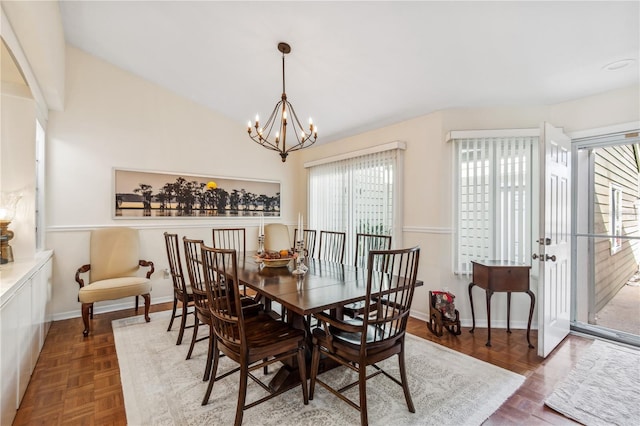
<point x="356" y="195"/>
<point x="493" y="199"/>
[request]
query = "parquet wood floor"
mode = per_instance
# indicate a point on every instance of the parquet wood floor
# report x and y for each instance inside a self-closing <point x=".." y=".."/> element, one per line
<point x="77" y="380"/>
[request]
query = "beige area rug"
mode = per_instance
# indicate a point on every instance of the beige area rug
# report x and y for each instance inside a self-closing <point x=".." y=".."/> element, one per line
<point x="162" y="388"/>
<point x="603" y="388"/>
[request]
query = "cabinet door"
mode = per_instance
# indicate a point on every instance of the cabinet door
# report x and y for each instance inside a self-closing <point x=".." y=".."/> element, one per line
<point x="25" y="337"/>
<point x="9" y="360"/>
<point x="38" y="298"/>
<point x="47" y="270"/>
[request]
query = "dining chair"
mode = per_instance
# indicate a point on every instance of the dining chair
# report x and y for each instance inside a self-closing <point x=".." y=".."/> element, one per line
<point x="364" y="244"/>
<point x="230" y="238"/>
<point x="202" y="313"/>
<point x="252" y="342"/>
<point x="309" y="238"/>
<point x="367" y="242"/>
<point x="365" y="341"/>
<point x="331" y="246"/>
<point x="276" y="237"/>
<point x="182" y="293"/>
<point x="201" y="302"/>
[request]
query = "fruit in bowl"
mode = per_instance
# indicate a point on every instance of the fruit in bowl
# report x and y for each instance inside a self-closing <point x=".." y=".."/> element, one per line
<point x="272" y="255"/>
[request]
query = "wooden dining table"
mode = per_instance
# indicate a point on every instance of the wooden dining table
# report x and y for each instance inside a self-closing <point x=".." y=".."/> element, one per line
<point x="326" y="286"/>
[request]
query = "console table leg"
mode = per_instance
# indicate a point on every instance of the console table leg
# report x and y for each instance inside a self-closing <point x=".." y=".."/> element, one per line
<point x="533" y="301"/>
<point x="473" y="315"/>
<point x="509" y="312"/>
<point x="489" y="294"/>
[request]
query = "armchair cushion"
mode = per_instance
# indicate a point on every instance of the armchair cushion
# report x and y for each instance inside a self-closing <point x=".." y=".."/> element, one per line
<point x="114" y="288"/>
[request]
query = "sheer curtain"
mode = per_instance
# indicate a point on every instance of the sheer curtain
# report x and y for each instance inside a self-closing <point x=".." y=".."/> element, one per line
<point x="357" y="195"/>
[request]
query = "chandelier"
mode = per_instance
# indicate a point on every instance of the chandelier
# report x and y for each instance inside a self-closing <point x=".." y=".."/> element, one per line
<point x="283" y="114"/>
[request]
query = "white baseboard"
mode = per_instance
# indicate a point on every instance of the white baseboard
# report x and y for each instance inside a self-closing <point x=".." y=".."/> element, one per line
<point x="111" y="307"/>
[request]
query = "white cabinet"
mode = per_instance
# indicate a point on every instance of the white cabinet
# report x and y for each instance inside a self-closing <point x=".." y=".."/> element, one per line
<point x="25" y="296"/>
<point x="9" y="359"/>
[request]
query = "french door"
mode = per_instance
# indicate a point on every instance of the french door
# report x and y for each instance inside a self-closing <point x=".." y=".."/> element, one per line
<point x="554" y="239"/>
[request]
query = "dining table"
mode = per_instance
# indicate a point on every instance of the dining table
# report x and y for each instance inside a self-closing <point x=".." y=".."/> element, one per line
<point x="326" y="286"/>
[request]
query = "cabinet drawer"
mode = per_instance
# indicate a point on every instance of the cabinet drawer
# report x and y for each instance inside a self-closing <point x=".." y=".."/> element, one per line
<point x="509" y="279"/>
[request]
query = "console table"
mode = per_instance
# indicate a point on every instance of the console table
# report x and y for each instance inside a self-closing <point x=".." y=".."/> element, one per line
<point x="503" y="276"/>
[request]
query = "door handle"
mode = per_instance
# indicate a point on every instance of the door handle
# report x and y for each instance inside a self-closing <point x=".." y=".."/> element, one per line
<point x="534" y="256"/>
<point x="551" y="258"/>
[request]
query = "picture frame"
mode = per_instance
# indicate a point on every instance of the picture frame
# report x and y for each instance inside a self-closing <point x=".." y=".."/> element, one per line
<point x="139" y="194"/>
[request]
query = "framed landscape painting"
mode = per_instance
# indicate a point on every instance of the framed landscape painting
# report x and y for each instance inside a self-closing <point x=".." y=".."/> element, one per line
<point x="145" y="194"/>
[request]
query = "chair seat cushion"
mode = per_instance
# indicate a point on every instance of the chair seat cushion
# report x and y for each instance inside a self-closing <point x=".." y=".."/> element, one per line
<point x="373" y="333"/>
<point x="114" y="288"/>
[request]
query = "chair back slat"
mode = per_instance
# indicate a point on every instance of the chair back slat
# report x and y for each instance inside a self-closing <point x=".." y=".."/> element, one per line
<point x="175" y="261"/>
<point x="195" y="271"/>
<point x="309" y="239"/>
<point x="230" y="238"/>
<point x="391" y="281"/>
<point x="367" y="242"/>
<point x="332" y="246"/>
<point x="220" y="277"/>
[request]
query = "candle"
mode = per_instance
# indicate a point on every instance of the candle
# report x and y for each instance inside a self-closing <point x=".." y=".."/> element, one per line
<point x="300" y="227"/>
<point x="261" y="230"/>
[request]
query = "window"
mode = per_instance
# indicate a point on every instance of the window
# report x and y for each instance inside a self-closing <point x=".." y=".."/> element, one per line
<point x="493" y="185"/>
<point x="358" y="194"/>
<point x="615" y="213"/>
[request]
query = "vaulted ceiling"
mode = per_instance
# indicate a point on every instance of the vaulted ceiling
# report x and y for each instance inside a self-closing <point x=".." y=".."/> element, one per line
<point x="361" y="65"/>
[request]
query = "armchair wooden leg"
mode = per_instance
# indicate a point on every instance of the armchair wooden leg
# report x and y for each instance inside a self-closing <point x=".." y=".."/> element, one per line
<point x="85" y="318"/>
<point x="136" y="303"/>
<point x="147" y="303"/>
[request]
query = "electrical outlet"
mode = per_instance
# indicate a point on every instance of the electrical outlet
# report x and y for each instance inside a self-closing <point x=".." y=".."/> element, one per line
<point x="167" y="274"/>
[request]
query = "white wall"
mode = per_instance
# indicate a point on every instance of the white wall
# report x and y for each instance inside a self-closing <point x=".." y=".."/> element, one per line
<point x="115" y="119"/>
<point x="17" y="169"/>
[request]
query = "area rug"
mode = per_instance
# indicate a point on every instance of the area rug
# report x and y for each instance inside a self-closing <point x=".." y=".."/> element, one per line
<point x="603" y="388"/>
<point x="162" y="388"/>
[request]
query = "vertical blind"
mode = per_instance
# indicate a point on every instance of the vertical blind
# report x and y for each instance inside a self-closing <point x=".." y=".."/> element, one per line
<point x="355" y="195"/>
<point x="493" y="199"/>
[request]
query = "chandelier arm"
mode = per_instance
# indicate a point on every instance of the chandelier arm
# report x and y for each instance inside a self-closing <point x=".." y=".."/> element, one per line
<point x="298" y="131"/>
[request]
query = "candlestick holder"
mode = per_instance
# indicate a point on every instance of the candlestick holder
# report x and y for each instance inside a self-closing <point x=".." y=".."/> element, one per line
<point x="301" y="268"/>
<point x="260" y="244"/>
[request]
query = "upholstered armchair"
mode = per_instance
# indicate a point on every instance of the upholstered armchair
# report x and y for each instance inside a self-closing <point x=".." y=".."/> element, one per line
<point x="113" y="271"/>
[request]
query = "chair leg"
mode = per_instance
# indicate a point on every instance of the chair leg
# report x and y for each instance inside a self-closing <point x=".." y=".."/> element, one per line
<point x="212" y="378"/>
<point x="242" y="392"/>
<point x="173" y="312"/>
<point x="194" y="337"/>
<point x="147" y="304"/>
<point x="362" y="385"/>
<point x="315" y="362"/>
<point x="85" y="318"/>
<point x="213" y="347"/>
<point x="183" y="321"/>
<point x="405" y="384"/>
<point x="136" y="303"/>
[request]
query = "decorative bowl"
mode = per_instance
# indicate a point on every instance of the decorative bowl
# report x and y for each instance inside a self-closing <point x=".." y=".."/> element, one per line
<point x="276" y="263"/>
